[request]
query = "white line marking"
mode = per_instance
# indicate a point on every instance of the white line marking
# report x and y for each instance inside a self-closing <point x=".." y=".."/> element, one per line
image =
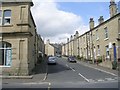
<point x="109" y="79"/>
<point x="106" y="72"/>
<point x="67" y="65"/>
<point x="49" y="84"/>
<point x="46" y="74"/>
<point x="84" y="77"/>
<point x="91" y="80"/>
<point x="36" y="83"/>
<point x="48" y="88"/>
<point x="101" y="70"/>
<point x="45" y="77"/>
<point x="100" y="80"/>
<point x="72" y="69"/>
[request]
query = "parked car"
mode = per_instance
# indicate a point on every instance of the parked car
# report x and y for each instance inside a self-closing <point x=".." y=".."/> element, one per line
<point x="71" y="59"/>
<point x="52" y="60"/>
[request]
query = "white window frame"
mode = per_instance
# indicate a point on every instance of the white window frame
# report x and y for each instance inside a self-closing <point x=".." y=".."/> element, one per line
<point x="6" y="18"/>
<point x="106" y="33"/>
<point x="1" y="17"/>
<point x="5" y="56"/>
<point x="98" y="47"/>
<point x="107" y="50"/>
<point x="97" y="37"/>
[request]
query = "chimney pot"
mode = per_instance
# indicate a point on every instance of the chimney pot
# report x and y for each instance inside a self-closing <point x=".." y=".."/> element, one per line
<point x="101" y="20"/>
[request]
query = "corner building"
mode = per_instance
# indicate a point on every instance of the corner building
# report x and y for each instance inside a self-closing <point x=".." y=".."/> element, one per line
<point x="17" y="38"/>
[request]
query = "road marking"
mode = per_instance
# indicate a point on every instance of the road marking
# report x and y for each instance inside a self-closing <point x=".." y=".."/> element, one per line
<point x="46" y="74"/>
<point x="48" y="88"/>
<point x="72" y="69"/>
<point x="84" y="77"/>
<point x="49" y="84"/>
<point x="91" y="80"/>
<point x="100" y="80"/>
<point x="100" y="70"/>
<point x="36" y="83"/>
<point x="105" y="71"/>
<point x="67" y="65"/>
<point x="109" y="79"/>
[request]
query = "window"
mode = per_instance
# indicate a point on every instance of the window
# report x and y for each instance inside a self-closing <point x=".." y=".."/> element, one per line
<point x="7" y="17"/>
<point x="107" y="51"/>
<point x="0" y="17"/>
<point x="84" y="40"/>
<point x="106" y="32"/>
<point x="98" y="50"/>
<point x="5" y="54"/>
<point x="97" y="37"/>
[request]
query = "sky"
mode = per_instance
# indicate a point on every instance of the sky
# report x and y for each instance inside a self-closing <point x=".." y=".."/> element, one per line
<point x="58" y="20"/>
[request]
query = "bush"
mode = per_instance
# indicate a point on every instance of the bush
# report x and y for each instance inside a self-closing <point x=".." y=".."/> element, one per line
<point x="99" y="60"/>
<point x="81" y="58"/>
<point x="90" y="61"/>
<point x="78" y="57"/>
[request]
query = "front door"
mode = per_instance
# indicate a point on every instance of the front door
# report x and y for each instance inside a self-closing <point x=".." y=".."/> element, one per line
<point x="114" y="51"/>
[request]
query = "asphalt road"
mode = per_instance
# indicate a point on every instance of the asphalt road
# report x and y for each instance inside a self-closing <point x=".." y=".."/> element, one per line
<point x="76" y="75"/>
<point x="71" y="75"/>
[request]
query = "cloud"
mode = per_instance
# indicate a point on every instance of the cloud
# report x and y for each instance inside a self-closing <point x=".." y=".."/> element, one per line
<point x="61" y="38"/>
<point x="54" y="23"/>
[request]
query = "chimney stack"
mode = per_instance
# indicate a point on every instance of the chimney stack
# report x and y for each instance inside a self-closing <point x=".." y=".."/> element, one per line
<point x="113" y="8"/>
<point x="48" y="41"/>
<point x="71" y="37"/>
<point x="91" y="23"/>
<point x="77" y="34"/>
<point x="101" y="20"/>
<point x="67" y="40"/>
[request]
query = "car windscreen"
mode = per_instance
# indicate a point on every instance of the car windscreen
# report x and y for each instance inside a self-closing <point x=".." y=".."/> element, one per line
<point x="51" y="58"/>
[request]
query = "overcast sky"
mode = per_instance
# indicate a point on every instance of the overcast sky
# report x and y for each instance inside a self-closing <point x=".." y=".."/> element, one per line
<point x="59" y="20"/>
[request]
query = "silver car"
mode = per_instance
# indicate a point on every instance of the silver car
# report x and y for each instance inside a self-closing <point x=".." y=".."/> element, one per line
<point x="52" y="60"/>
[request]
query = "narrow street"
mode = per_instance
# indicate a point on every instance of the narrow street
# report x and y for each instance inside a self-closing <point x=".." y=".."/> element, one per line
<point x="37" y="33"/>
<point x="76" y="75"/>
<point x="68" y="75"/>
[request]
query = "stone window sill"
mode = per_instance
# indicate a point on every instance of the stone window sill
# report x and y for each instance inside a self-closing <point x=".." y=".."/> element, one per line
<point x="106" y="39"/>
<point x="6" y="25"/>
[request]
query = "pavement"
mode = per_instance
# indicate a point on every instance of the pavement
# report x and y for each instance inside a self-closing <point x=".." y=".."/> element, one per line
<point x="100" y="68"/>
<point x="40" y="71"/>
<point x="39" y="74"/>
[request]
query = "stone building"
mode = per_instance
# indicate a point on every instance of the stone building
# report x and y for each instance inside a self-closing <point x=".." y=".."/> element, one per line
<point x="101" y="41"/>
<point x="49" y="49"/>
<point x="40" y="49"/>
<point x="18" y="38"/>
